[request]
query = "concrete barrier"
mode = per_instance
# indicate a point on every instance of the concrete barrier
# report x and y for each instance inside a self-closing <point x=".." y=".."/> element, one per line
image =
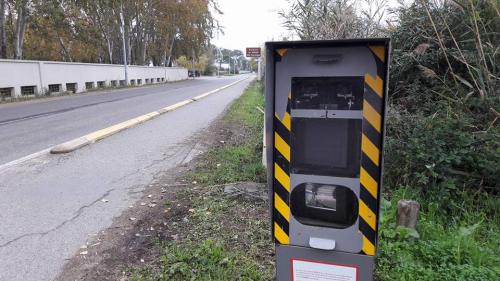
<point x="24" y="78"/>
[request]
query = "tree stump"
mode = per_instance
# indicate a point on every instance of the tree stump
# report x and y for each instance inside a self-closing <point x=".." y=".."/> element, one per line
<point x="407" y="213"/>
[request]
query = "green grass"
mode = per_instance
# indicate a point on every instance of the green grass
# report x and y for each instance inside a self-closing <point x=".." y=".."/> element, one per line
<point x="206" y="260"/>
<point x="460" y="246"/>
<point x="228" y="239"/>
<point x="239" y="160"/>
<point x="225" y="238"/>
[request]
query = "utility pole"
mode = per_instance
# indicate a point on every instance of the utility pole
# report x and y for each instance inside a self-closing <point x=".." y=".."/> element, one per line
<point x="122" y="28"/>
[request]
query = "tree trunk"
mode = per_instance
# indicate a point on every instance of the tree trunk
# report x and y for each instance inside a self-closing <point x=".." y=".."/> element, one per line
<point x="67" y="55"/>
<point x="3" y="36"/>
<point x="127" y="44"/>
<point x="105" y="33"/>
<point x="110" y="49"/>
<point x="19" y="32"/>
<point x="163" y="59"/>
<point x="170" y="50"/>
<point x="407" y="213"/>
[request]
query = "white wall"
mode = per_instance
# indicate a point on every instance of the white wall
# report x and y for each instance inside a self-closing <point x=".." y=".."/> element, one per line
<point x="17" y="73"/>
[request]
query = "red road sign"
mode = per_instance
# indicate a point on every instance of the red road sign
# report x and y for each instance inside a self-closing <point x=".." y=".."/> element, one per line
<point x="253" y="52"/>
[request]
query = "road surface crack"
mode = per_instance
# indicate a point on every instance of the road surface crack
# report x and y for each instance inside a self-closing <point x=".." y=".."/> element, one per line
<point x="77" y="214"/>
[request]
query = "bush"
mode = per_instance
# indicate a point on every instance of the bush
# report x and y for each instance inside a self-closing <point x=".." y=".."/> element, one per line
<point x="444" y="151"/>
<point x="443" y="138"/>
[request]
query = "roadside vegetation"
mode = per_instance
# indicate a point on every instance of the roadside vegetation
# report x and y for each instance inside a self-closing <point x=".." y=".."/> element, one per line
<point x="227" y="236"/>
<point x="443" y="143"/>
<point x="443" y="138"/>
<point x="442" y="150"/>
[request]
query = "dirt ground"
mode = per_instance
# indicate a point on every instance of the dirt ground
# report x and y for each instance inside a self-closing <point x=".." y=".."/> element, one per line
<point x="130" y="241"/>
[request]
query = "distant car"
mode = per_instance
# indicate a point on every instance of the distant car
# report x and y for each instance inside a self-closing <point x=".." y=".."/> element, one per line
<point x="194" y="73"/>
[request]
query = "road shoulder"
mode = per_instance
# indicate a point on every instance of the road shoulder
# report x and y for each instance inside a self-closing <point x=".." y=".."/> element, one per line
<point x="191" y="208"/>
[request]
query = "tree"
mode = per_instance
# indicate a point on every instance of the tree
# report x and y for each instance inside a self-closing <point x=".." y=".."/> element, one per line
<point x="334" y="19"/>
<point x="3" y="34"/>
<point x="89" y="30"/>
<point x="21" y="7"/>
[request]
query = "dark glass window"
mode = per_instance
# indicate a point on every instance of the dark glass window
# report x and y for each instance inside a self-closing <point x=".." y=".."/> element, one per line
<point x="324" y="205"/>
<point x="326" y="146"/>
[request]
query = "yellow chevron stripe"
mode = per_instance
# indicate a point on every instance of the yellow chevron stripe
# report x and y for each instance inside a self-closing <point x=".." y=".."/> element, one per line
<point x="370" y="114"/>
<point x="379" y="51"/>
<point x="285" y="121"/>
<point x="282" y="146"/>
<point x="282" y="207"/>
<point x="368" y="247"/>
<point x="280" y="235"/>
<point x="282" y="177"/>
<point x="370" y="149"/>
<point x="368" y="182"/>
<point x="368" y="215"/>
<point x="281" y="52"/>
<point x="376" y="83"/>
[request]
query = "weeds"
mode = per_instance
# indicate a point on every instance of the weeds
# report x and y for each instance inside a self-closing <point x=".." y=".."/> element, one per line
<point x="224" y="238"/>
<point x="239" y="160"/>
<point x="445" y="248"/>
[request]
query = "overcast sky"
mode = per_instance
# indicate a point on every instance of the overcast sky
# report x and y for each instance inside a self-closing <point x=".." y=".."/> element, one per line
<point x="250" y="23"/>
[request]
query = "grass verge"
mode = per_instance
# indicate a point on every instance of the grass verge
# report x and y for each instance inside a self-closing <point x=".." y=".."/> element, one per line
<point x="459" y="246"/>
<point x="224" y="237"/>
<point x="227" y="238"/>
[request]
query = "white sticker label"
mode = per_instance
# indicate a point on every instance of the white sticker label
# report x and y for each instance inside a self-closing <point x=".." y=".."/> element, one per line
<point x="316" y="271"/>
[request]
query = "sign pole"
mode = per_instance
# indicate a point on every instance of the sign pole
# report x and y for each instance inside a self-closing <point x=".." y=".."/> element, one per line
<point x="254" y="52"/>
<point x="258" y="69"/>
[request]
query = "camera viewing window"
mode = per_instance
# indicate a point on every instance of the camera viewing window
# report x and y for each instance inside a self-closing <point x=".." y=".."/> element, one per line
<point x="324" y="205"/>
<point x="332" y="93"/>
<point x="326" y="146"/>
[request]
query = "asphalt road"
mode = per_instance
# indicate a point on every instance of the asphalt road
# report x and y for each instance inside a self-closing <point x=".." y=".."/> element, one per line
<point x="51" y="205"/>
<point x="28" y="127"/>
